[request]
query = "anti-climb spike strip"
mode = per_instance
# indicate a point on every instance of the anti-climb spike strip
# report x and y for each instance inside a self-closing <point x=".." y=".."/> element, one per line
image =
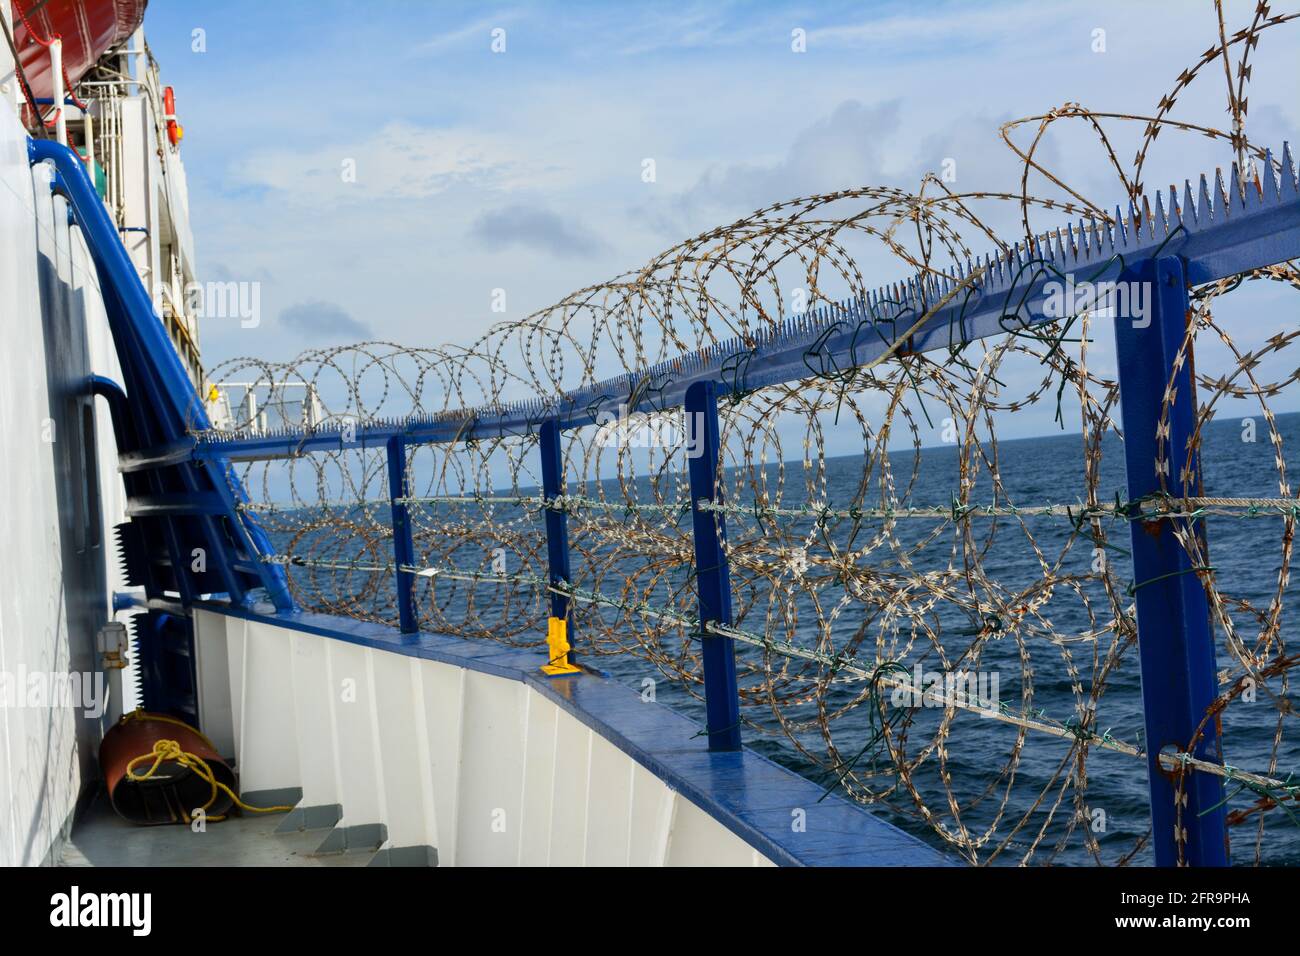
<point x="1077" y="244"/>
<point x="1205" y="216"/>
<point x="1269" y="184"/>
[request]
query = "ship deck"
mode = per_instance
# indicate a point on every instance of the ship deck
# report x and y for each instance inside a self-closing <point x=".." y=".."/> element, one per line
<point x="101" y="838"/>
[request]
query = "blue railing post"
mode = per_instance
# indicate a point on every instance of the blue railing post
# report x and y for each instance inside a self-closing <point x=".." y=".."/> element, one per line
<point x="403" y="545"/>
<point x="1175" y="641"/>
<point x="559" y="661"/>
<point x="712" y="577"/>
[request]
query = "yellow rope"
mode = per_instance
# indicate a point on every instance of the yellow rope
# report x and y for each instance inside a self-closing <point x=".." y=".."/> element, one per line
<point x="170" y="750"/>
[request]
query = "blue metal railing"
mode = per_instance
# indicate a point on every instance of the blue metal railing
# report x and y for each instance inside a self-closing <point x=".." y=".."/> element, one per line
<point x="1175" y="643"/>
<point x="1203" y="238"/>
<point x="165" y="407"/>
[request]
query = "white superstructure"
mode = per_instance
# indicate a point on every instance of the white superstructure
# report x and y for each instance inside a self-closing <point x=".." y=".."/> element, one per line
<point x="60" y="494"/>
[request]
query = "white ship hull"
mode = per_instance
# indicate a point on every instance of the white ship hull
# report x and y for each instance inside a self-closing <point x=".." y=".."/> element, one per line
<point x="61" y="498"/>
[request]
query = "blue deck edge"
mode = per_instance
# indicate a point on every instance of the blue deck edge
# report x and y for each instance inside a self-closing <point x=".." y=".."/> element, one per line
<point x="747" y="793"/>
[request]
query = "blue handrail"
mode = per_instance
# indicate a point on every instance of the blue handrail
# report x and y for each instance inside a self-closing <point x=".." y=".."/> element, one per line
<point x="165" y="408"/>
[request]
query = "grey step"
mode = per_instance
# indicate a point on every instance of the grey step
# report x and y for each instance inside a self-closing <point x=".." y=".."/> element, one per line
<point x="405" y="856"/>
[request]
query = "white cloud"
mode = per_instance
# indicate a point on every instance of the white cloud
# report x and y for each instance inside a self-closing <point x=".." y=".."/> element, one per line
<point x="474" y="36"/>
<point x="940" y="27"/>
<point x="695" y="28"/>
<point x="398" y="161"/>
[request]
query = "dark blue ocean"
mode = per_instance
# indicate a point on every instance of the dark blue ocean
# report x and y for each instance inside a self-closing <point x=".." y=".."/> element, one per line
<point x="1246" y="553"/>
<point x="1039" y="796"/>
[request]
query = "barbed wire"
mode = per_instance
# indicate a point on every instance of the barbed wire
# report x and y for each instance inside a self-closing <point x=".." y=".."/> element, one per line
<point x="838" y="606"/>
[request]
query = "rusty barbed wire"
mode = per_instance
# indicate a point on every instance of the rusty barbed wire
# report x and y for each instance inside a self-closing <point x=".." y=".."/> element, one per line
<point x="845" y="578"/>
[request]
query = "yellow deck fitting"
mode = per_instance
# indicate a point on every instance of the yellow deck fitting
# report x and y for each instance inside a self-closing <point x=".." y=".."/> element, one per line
<point x="557" y="642"/>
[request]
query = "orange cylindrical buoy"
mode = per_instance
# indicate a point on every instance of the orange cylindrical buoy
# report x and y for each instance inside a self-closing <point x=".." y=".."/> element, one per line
<point x="174" y="791"/>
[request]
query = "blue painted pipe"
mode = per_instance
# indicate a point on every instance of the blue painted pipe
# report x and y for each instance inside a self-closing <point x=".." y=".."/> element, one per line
<point x="119" y="410"/>
<point x="123" y="600"/>
<point x="142" y="342"/>
<point x="111" y="258"/>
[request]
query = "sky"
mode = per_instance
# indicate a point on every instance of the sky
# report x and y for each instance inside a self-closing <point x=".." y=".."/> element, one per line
<point x="521" y="169"/>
